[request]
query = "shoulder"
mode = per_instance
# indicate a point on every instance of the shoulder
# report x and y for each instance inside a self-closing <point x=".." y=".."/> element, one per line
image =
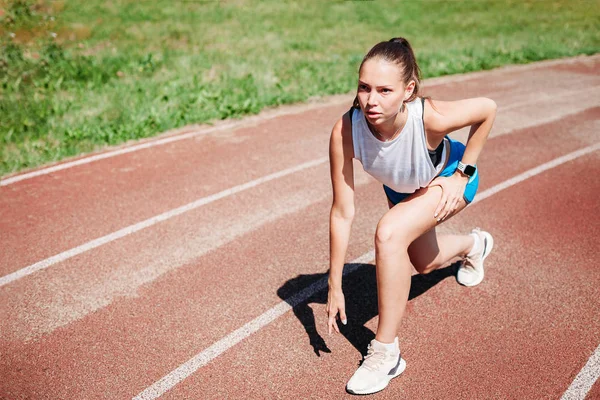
<point x="443" y="117"/>
<point x="341" y="133"/>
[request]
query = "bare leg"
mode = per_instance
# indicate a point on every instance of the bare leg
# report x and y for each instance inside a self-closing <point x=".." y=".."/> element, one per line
<point x="432" y="250"/>
<point x="402" y="225"/>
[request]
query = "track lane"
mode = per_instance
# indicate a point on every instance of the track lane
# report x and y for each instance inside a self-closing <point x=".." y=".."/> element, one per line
<point x="174" y="317"/>
<point x="47" y="215"/>
<point x="79" y="286"/>
<point x="463" y="343"/>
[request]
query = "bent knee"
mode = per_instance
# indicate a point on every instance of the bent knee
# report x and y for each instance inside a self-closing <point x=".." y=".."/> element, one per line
<point x="383" y="234"/>
<point x="389" y="237"/>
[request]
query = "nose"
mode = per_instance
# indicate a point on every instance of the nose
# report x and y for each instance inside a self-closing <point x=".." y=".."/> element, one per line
<point x="372" y="99"/>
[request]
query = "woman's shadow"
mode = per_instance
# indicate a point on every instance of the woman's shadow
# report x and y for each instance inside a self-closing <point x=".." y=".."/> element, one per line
<point x="360" y="290"/>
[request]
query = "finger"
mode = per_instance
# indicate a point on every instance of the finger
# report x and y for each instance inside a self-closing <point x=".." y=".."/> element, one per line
<point x="456" y="205"/>
<point x="330" y="323"/>
<point x="439" y="208"/>
<point x="457" y="201"/>
<point x="343" y="316"/>
<point x="446" y="211"/>
<point x="333" y="327"/>
<point x="449" y="208"/>
<point x="452" y="209"/>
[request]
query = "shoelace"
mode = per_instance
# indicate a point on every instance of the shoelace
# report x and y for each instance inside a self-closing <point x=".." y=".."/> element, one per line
<point x="373" y="359"/>
<point x="467" y="263"/>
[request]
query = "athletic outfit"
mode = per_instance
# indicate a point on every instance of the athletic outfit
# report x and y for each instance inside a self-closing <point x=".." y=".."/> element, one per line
<point x="405" y="164"/>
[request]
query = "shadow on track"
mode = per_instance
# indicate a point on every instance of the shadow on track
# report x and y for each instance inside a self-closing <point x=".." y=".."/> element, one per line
<point x="360" y="291"/>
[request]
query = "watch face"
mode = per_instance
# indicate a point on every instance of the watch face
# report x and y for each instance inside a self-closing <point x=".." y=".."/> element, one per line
<point x="469" y="170"/>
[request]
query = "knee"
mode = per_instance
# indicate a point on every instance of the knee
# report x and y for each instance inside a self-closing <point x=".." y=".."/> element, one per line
<point x="388" y="238"/>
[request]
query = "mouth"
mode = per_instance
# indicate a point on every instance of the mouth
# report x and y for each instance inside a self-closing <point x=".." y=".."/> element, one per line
<point x="373" y="114"/>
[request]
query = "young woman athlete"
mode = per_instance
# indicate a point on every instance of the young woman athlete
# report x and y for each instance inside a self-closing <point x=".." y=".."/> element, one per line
<point x="401" y="141"/>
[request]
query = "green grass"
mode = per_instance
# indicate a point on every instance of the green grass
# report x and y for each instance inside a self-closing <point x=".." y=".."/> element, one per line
<point x="122" y="70"/>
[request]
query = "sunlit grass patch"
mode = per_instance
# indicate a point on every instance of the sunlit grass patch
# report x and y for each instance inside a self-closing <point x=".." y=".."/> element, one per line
<point x="76" y="76"/>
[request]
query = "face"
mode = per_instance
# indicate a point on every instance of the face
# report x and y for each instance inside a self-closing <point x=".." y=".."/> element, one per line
<point x="381" y="91"/>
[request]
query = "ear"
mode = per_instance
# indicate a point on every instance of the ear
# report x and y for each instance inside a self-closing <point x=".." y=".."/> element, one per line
<point x="408" y="91"/>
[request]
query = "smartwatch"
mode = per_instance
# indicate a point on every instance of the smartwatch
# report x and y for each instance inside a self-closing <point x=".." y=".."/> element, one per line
<point x="467" y="169"/>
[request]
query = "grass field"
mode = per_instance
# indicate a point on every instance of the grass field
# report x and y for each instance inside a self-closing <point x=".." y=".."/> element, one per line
<point x="77" y="76"/>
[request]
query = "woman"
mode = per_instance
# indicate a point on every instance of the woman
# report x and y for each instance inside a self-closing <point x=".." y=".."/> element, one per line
<point x="401" y="141"/>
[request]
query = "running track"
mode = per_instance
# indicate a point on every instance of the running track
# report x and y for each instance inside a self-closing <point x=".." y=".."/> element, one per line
<point x="170" y="269"/>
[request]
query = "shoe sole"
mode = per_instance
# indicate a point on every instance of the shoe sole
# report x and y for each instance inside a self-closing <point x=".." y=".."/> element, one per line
<point x="488" y="249"/>
<point x="383" y="385"/>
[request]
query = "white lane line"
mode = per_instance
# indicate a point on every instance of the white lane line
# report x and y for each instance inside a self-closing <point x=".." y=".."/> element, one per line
<point x="87" y="160"/>
<point x="248" y="121"/>
<point x="4" y="280"/>
<point x="535" y="171"/>
<point x="174" y="377"/>
<point x="585" y="379"/>
<point x="204" y="357"/>
<point x="151" y="221"/>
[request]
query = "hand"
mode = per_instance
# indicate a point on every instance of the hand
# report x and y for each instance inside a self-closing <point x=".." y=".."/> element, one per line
<point x="335" y="304"/>
<point x="453" y="188"/>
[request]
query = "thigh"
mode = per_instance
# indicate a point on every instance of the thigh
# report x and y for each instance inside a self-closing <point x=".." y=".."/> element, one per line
<point x="412" y="217"/>
<point x="424" y="249"/>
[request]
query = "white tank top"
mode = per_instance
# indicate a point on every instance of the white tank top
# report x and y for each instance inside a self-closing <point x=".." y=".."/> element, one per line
<point x="403" y="164"/>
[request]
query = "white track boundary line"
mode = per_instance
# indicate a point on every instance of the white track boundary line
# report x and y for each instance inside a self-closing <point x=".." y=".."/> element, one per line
<point x="40" y="265"/>
<point x="152" y="142"/>
<point x="167" y="382"/>
<point x="327" y="101"/>
<point x="203" y="358"/>
<point x="535" y="171"/>
<point x="87" y="160"/>
<point x="586" y="378"/>
<point x="151" y="221"/>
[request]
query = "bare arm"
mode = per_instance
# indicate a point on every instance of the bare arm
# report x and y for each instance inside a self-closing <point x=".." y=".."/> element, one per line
<point x="448" y="116"/>
<point x="341" y="216"/>
<point x="342" y="208"/>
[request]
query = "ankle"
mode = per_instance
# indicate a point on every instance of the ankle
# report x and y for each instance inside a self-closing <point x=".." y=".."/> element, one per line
<point x="476" y="247"/>
<point x="389" y="345"/>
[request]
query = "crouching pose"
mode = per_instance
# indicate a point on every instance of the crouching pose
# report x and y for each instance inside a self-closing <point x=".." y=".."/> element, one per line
<point x="401" y="140"/>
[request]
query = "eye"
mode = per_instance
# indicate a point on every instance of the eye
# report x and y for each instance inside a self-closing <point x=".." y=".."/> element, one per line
<point x="386" y="90"/>
<point x="362" y="87"/>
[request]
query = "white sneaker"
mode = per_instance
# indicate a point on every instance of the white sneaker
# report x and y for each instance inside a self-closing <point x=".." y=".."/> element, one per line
<point x="470" y="273"/>
<point x="378" y="368"/>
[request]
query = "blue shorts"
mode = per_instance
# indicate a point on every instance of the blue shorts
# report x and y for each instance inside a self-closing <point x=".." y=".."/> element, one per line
<point x="457" y="150"/>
